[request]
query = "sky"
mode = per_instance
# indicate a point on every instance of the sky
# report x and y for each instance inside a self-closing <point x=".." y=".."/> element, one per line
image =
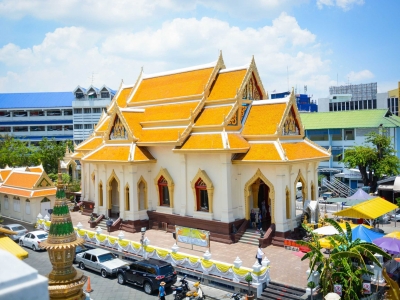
<point x="48" y="45"/>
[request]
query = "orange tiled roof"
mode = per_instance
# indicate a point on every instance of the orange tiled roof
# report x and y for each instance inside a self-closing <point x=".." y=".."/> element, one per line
<point x="22" y="180"/>
<point x="5" y="173"/>
<point x="213" y="115"/>
<point x="42" y="193"/>
<point x="90" y="144"/>
<point x="15" y="192"/>
<point x="161" y="135"/>
<point x="204" y="142"/>
<point x="237" y="142"/>
<point x="226" y="85"/>
<point x="302" y="150"/>
<point x="123" y="97"/>
<point x="104" y="125"/>
<point x="36" y="169"/>
<point x="133" y="120"/>
<point x="111" y="153"/>
<point x="173" y="85"/>
<point x="260" y="152"/>
<point x="142" y="154"/>
<point x="177" y="111"/>
<point x="263" y="119"/>
<point x="77" y="155"/>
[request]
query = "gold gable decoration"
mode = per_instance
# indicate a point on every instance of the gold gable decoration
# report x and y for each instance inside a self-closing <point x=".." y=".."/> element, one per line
<point x="290" y="127"/>
<point x="243" y="111"/>
<point x="233" y="121"/>
<point x="44" y="183"/>
<point x="250" y="91"/>
<point x="118" y="131"/>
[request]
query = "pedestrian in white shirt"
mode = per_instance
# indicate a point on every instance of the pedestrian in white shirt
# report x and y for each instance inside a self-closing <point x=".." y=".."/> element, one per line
<point x="260" y="254"/>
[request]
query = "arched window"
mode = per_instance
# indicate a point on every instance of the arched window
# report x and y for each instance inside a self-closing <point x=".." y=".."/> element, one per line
<point x="202" y="196"/>
<point x="100" y="194"/>
<point x="163" y="191"/>
<point x="6" y="202"/>
<point x="28" y="207"/>
<point x="127" y="198"/>
<point x="142" y="191"/>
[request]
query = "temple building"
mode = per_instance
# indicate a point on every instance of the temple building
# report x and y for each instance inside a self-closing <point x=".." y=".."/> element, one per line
<point x="199" y="147"/>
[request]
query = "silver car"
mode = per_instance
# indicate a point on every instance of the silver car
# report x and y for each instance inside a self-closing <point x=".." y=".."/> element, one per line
<point x="100" y="260"/>
<point x="33" y="239"/>
<point x="18" y="228"/>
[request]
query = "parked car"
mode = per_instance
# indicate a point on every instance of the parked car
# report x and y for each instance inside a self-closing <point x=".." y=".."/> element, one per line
<point x="33" y="239"/>
<point x="395" y="216"/>
<point x="18" y="228"/>
<point x="81" y="249"/>
<point x="100" y="260"/>
<point x="148" y="273"/>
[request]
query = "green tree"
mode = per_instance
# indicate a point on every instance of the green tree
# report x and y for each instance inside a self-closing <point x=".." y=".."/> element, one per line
<point x="49" y="152"/>
<point x="375" y="159"/>
<point x="16" y="153"/>
<point x="345" y="265"/>
<point x="66" y="179"/>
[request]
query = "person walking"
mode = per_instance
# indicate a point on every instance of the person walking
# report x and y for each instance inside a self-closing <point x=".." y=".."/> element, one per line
<point x="252" y="219"/>
<point x="161" y="291"/>
<point x="259" y="221"/>
<point x="260" y="254"/>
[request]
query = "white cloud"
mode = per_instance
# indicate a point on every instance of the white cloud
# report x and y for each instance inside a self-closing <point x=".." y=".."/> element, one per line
<point x="343" y="4"/>
<point x="360" y="76"/>
<point x="67" y="56"/>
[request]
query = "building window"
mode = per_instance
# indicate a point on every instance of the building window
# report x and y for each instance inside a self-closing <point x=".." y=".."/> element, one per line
<point x="68" y="127"/>
<point x="20" y="128"/>
<point x="347" y="105"/>
<point x="79" y="94"/>
<point x="68" y="112"/>
<point x="356" y="105"/>
<point x="96" y="110"/>
<point x="105" y="94"/>
<point x="92" y="94"/>
<point x="330" y="107"/>
<point x="36" y="113"/>
<point x="163" y="191"/>
<point x="88" y="126"/>
<point x="27" y="207"/>
<point x="54" y="128"/>
<point x="336" y="134"/>
<point x="343" y="106"/>
<point x="201" y="196"/>
<point x="4" y="114"/>
<point x="365" y="104"/>
<point x="351" y="105"/>
<point x="17" y="207"/>
<point x="77" y="110"/>
<point x="127" y="198"/>
<point x="349" y="134"/>
<point x="37" y="128"/>
<point x="369" y="104"/>
<point x="318" y="135"/>
<point x="337" y="155"/>
<point x="78" y="126"/>
<point x="374" y="104"/>
<point x="87" y="110"/>
<point x="142" y="194"/>
<point x="6" y="202"/>
<point x="5" y="129"/>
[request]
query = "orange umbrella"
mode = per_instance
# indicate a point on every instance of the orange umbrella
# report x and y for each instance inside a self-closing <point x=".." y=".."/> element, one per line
<point x="394" y="234"/>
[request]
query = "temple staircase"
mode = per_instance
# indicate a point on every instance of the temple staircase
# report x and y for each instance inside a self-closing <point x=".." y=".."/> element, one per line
<point x="278" y="291"/>
<point x="102" y="224"/>
<point x="250" y="237"/>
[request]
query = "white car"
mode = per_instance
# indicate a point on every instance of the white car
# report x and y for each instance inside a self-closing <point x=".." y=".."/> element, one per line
<point x="18" y="228"/>
<point x="33" y="239"/>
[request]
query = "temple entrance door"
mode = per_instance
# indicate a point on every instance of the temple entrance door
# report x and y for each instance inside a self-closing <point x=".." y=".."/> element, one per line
<point x="113" y="208"/>
<point x="264" y="204"/>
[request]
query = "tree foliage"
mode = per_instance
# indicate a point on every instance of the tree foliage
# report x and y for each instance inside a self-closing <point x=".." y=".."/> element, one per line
<point x="375" y="158"/>
<point x="17" y="153"/>
<point x="346" y="263"/>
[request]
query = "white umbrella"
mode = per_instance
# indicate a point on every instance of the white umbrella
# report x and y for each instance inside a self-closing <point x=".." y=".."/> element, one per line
<point x="326" y="230"/>
<point x="332" y="296"/>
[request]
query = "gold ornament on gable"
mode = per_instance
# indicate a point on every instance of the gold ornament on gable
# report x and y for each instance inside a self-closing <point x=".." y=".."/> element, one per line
<point x="250" y="91"/>
<point x="233" y="121"/>
<point x="118" y="131"/>
<point x="290" y="126"/>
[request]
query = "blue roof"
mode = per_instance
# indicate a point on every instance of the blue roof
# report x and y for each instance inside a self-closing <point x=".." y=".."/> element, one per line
<point x="36" y="100"/>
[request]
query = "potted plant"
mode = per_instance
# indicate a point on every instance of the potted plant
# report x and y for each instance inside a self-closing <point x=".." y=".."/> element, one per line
<point x="249" y="279"/>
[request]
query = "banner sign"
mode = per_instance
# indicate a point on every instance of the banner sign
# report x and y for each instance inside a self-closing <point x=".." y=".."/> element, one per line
<point x="337" y="288"/>
<point x="192" y="236"/>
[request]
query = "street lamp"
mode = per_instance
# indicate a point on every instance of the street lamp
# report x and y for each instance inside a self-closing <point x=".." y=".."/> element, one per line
<point x="143" y="231"/>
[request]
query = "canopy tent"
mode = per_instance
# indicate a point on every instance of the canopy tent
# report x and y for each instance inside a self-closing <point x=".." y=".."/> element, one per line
<point x="326" y="230"/>
<point x="370" y="209"/>
<point x="360" y="195"/>
<point x="390" y="245"/>
<point x="365" y="234"/>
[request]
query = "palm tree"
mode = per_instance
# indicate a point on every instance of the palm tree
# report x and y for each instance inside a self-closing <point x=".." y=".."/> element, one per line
<point x="345" y="265"/>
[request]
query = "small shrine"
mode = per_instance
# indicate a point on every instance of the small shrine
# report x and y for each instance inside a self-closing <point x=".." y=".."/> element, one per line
<point x="65" y="282"/>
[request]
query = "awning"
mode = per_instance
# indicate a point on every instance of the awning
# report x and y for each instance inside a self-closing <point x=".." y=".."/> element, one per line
<point x="382" y="187"/>
<point x="370" y="209"/>
<point x="9" y="245"/>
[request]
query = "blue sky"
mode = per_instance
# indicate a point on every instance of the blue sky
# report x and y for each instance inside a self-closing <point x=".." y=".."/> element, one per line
<point x="49" y="45"/>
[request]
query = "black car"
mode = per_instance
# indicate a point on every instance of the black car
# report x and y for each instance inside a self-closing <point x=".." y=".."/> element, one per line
<point x="148" y="273"/>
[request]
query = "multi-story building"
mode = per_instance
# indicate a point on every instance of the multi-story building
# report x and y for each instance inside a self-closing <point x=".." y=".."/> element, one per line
<point x="303" y="101"/>
<point x="88" y="106"/>
<point x="340" y="130"/>
<point x="354" y="97"/>
<point x="393" y="100"/>
<point x="33" y="116"/>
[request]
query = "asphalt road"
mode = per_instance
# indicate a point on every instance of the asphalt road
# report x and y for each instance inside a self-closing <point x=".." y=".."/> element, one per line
<point x="103" y="288"/>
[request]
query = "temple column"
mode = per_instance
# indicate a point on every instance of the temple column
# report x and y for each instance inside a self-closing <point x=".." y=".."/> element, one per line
<point x="134" y="193"/>
<point x="226" y="186"/>
<point x="280" y="204"/>
<point x="183" y="190"/>
<point x="121" y="191"/>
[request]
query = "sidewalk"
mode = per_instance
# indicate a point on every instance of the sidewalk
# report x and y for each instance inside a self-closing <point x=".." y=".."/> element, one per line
<point x="286" y="267"/>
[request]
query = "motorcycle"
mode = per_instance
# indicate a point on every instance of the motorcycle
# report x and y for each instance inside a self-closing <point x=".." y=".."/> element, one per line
<point x="196" y="294"/>
<point x="236" y="296"/>
<point x="180" y="291"/>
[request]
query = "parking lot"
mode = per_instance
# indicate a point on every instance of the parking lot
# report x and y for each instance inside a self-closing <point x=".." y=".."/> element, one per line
<point x="103" y="288"/>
